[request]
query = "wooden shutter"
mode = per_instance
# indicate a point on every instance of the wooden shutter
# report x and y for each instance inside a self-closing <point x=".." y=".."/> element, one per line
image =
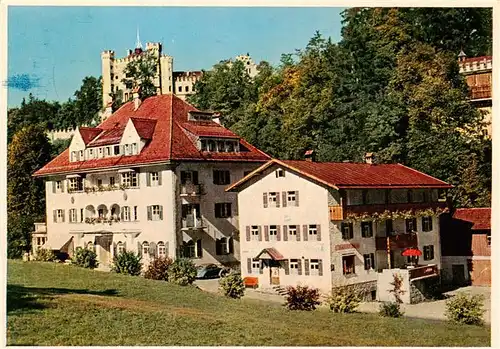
<point x="218" y="247"/>
<point x="299" y="266"/>
<point x="285" y="233"/>
<point x="284" y="198"/>
<point x="230" y="243"/>
<point x="161" y="212"/>
<point x="306" y="232"/>
<point x="148" y="179"/>
<point x="159" y="177"/>
<point x="297" y="198"/>
<point x="264" y="199"/>
<point x="152" y="249"/>
<point x="122" y="213"/>
<point x="139" y="248"/>
<point x="248" y="232"/>
<point x="320" y="267"/>
<point x="277" y="199"/>
<point x="266" y="232"/>
<point x="249" y="265"/>
<point x="260" y="233"/>
<point x="372" y="255"/>
<point x="63" y="215"/>
<point x="54" y="187"/>
<point x="278" y="232"/>
<point x="62" y="186"/>
<point x="318" y="228"/>
<point x="298" y="232"/>
<point x="199" y="250"/>
<point x="306" y="267"/>
<point x="150" y="214"/>
<point x="55" y="216"/>
<point x="287" y="267"/>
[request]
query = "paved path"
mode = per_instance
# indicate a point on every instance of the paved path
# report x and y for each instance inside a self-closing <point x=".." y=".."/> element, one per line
<point x="427" y="310"/>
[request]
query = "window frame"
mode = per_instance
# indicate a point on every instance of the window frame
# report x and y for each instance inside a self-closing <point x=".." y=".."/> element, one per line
<point x="293" y="266"/>
<point x="154" y="179"/>
<point x="280" y="173"/>
<point x="350" y="230"/>
<point x="427" y="223"/>
<point x="73" y="215"/>
<point x="254" y="233"/>
<point x="365" y="224"/>
<point x="314" y="265"/>
<point x="428" y="252"/>
<point x="221" y="177"/>
<point x="156" y="212"/>
<point x="291" y="198"/>
<point x="370" y="257"/>
<point x="273" y="232"/>
<point x="223" y="210"/>
<point x="345" y="271"/>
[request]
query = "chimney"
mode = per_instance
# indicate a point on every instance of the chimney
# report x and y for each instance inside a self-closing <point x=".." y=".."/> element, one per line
<point x="216" y="118"/>
<point x="309" y="155"/>
<point x="135" y="96"/>
<point x="369" y="158"/>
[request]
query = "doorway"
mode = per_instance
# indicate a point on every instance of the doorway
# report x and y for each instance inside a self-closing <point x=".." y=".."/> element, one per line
<point x="458" y="272"/>
<point x="274" y="272"/>
<point x="104" y="250"/>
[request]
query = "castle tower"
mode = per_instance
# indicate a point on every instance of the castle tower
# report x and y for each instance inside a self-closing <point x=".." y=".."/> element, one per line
<point x="107" y="62"/>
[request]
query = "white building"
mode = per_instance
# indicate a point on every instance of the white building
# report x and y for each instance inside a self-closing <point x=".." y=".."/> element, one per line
<point x="329" y="224"/>
<point x="149" y="179"/>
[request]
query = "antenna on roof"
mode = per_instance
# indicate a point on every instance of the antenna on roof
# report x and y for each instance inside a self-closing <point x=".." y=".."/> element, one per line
<point x="138" y="43"/>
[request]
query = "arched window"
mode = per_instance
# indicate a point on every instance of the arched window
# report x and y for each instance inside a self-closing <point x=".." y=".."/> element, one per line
<point x="162" y="251"/>
<point x="120" y="247"/>
<point x="145" y="248"/>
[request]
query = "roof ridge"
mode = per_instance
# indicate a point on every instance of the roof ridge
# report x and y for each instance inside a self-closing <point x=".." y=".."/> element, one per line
<point x="424" y="174"/>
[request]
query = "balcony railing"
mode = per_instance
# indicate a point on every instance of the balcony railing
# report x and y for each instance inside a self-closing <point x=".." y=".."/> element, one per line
<point x="100" y="189"/>
<point x="396" y="241"/>
<point x="191" y="222"/>
<point x="190" y="189"/>
<point x="379" y="208"/>
<point x="40" y="228"/>
<point x="104" y="220"/>
<point x="480" y="92"/>
<point x="424" y="271"/>
<point x="336" y="213"/>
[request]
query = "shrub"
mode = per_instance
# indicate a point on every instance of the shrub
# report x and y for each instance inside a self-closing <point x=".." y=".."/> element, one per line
<point x="465" y="309"/>
<point x="128" y="263"/>
<point x="85" y="258"/>
<point x="301" y="298"/>
<point x="158" y="269"/>
<point x="397" y="288"/>
<point x="232" y="285"/>
<point x="390" y="309"/>
<point x="345" y="299"/>
<point x="182" y="272"/>
<point x="45" y="255"/>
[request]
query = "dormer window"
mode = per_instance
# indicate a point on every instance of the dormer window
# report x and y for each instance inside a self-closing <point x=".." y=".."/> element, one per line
<point x="80" y="155"/>
<point x="203" y="145"/>
<point x="211" y="145"/>
<point x="101" y="152"/>
<point x="108" y="151"/>
<point x="134" y="148"/>
<point x="220" y="146"/>
<point x="126" y="149"/>
<point x="230" y="147"/>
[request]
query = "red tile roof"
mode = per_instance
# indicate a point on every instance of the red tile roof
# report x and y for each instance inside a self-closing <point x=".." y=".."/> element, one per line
<point x="144" y="127"/>
<point x="169" y="142"/>
<point x="89" y="133"/>
<point x="273" y="253"/>
<point x="108" y="137"/>
<point x="342" y="175"/>
<point x="481" y="217"/>
<point x="477" y="59"/>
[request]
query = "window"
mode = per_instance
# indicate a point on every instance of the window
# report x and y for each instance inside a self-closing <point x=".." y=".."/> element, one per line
<point x="112" y="181"/>
<point x="273" y="199"/>
<point x="428" y="252"/>
<point x="75" y="184"/>
<point x="72" y="215"/>
<point x="203" y="145"/>
<point x="220" y="146"/>
<point x="80" y="155"/>
<point x="369" y="261"/>
<point x="367" y="229"/>
<point x="314" y="267"/>
<point x="291" y="198"/>
<point x="120" y="247"/>
<point x="230" y="146"/>
<point x="127" y="150"/>
<point x="389" y="230"/>
<point x="255" y="233"/>
<point x="99" y="182"/>
<point x="108" y="151"/>
<point x="126" y="213"/>
<point x="221" y="177"/>
<point x="135" y="213"/>
<point x="90" y="246"/>
<point x="180" y="88"/>
<point x="101" y="152"/>
<point x="211" y="145"/>
<point x="129" y="179"/>
<point x="59" y="187"/>
<point x="280" y="173"/>
<point x="488" y="238"/>
<point x="59" y="216"/>
<point x="348" y="267"/>
<point x="187" y="88"/>
<point x="292" y="231"/>
<point x="162" y="250"/>
<point x="223" y="210"/>
<point x="156" y="213"/>
<point x="347" y="231"/>
<point x="117" y="149"/>
<point x="154" y="179"/>
<point x="294" y="267"/>
<point x="313" y="232"/>
<point x="273" y="232"/>
<point x="81" y="215"/>
<point x="189" y="249"/>
<point x="145" y="248"/>
<point x="411" y="225"/>
<point x="134" y="148"/>
<point x="427" y="223"/>
<point x="255" y="266"/>
<point x="189" y="177"/>
<point x="223" y="246"/>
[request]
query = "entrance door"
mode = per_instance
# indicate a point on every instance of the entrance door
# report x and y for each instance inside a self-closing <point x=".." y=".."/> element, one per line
<point x="274" y="273"/>
<point x="104" y="249"/>
<point x="458" y="271"/>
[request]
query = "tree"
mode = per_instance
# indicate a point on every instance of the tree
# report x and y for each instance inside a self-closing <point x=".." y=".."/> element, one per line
<point x="28" y="152"/>
<point x="141" y="73"/>
<point x="88" y="101"/>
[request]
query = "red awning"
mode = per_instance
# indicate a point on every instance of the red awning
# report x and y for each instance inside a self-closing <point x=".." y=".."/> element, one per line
<point x="411" y="252"/>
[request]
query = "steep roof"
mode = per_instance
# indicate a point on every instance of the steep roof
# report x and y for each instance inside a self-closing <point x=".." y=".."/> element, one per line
<point x="480" y="217"/>
<point x="164" y="120"/>
<point x="108" y="137"/>
<point x="89" y="133"/>
<point x="341" y="175"/>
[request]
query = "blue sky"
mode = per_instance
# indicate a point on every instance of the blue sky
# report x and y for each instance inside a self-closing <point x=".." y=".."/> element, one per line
<point x="51" y="49"/>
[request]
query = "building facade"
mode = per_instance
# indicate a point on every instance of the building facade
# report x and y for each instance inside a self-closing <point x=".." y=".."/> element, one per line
<point x="184" y="83"/>
<point x="336" y="224"/>
<point x="149" y="179"/>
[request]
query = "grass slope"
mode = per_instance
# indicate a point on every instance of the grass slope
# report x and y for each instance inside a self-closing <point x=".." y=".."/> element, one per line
<point x="53" y="304"/>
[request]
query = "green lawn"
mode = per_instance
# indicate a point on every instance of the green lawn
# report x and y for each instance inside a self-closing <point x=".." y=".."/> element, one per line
<point x="53" y="304"/>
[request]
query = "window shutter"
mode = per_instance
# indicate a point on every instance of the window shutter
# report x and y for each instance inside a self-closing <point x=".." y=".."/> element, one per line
<point x="54" y="187"/>
<point x="372" y="255"/>
<point x="152" y="250"/>
<point x="320" y="267"/>
<point x="306" y="232"/>
<point x="318" y="228"/>
<point x="218" y="247"/>
<point x="299" y="266"/>
<point x="249" y="265"/>
<point x="124" y="246"/>
<point x="122" y="213"/>
<point x="278" y="232"/>
<point x="277" y="199"/>
<point x="284" y="198"/>
<point x="306" y="267"/>
<point x="62" y="186"/>
<point x="260" y="233"/>
<point x="55" y="216"/>
<point x="264" y="197"/>
<point x="161" y="212"/>
<point x="248" y="232"/>
<point x="296" y="198"/>
<point x="63" y="214"/>
<point x="230" y="243"/>
<point x="287" y="267"/>
<point x="298" y="232"/>
<point x="261" y="268"/>
<point x="199" y="250"/>
<point x="150" y="214"/>
<point x="148" y="179"/>
<point x="285" y="233"/>
<point x="139" y="248"/>
<point x="159" y="177"/>
<point x="266" y="232"/>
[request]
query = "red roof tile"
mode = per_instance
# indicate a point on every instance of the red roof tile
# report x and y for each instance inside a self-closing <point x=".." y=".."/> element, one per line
<point x="343" y="175"/>
<point x="169" y="140"/>
<point x="481" y="217"/>
<point x="108" y="137"/>
<point x="144" y="127"/>
<point x="89" y="133"/>
<point x="273" y="253"/>
<point x="477" y="59"/>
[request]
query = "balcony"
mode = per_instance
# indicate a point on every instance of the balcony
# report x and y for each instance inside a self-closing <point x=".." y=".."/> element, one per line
<point x="422" y="272"/>
<point x="396" y="241"/>
<point x="380" y="208"/>
<point x="190" y="190"/>
<point x="191" y="222"/>
<point x="480" y="92"/>
<point x="336" y="213"/>
<point x="40" y="228"/>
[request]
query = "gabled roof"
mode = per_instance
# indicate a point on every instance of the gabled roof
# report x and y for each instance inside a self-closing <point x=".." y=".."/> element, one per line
<point x="89" y="133"/>
<point x="270" y="252"/>
<point x="341" y="175"/>
<point x="108" y="137"/>
<point x="169" y="140"/>
<point x="480" y="217"/>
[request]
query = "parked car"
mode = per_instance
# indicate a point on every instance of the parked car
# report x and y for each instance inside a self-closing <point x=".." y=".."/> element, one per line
<point x="209" y="271"/>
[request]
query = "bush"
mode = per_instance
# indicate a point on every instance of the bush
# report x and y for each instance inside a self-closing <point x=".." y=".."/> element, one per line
<point x="182" y="272"/>
<point x="85" y="258"/>
<point x="301" y="298"/>
<point x="390" y="309"/>
<point x="127" y="263"/>
<point x="232" y="285"/>
<point x="158" y="269"/>
<point x="465" y="309"/>
<point x="45" y="255"/>
<point x="345" y="299"/>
